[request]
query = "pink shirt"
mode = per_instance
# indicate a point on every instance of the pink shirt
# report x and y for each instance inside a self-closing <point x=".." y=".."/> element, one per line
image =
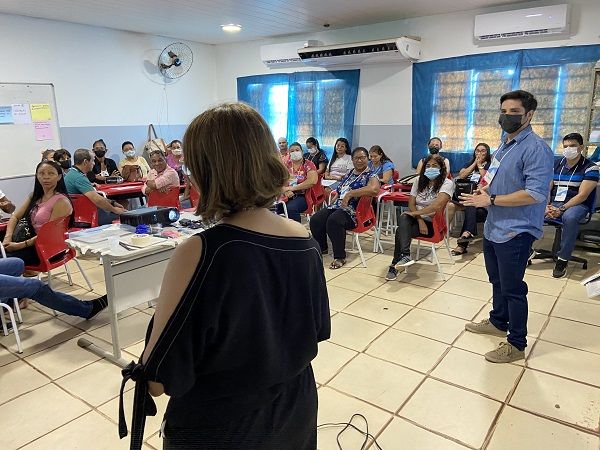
<point x="167" y="177"/>
<point x="172" y="162"/>
<point x="40" y="214"/>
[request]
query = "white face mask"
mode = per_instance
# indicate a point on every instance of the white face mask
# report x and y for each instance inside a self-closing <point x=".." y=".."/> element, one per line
<point x="130" y="153"/>
<point x="295" y="156"/>
<point x="177" y="151"/>
<point x="570" y="152"/>
<point x="313" y="150"/>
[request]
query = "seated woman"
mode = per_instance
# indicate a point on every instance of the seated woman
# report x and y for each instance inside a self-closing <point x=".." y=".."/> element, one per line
<point x="63" y="158"/>
<point x="103" y="167"/>
<point x="340" y="164"/>
<point x="49" y="201"/>
<point x="474" y="172"/>
<point x="434" y="145"/>
<point x="429" y="195"/>
<point x="236" y="323"/>
<point x="303" y="176"/>
<point x="381" y="165"/>
<point x="316" y="155"/>
<point x="48" y="155"/>
<point x="161" y="177"/>
<point x="340" y="216"/>
<point x="132" y="167"/>
<point x="175" y="159"/>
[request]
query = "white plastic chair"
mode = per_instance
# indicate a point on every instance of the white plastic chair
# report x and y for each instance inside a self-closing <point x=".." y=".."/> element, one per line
<point x="5" y="306"/>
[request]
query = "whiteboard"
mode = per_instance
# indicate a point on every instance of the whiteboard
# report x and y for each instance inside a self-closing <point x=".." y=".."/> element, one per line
<point x="25" y="133"/>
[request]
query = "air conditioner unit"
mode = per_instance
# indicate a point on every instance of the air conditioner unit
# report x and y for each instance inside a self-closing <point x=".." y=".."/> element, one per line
<point x="545" y="20"/>
<point x="284" y="55"/>
<point x="369" y="52"/>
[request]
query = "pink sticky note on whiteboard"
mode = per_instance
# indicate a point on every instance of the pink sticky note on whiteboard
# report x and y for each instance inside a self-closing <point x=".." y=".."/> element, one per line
<point x="43" y="131"/>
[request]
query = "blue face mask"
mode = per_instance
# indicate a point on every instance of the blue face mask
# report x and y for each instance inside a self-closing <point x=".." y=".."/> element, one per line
<point x="432" y="172"/>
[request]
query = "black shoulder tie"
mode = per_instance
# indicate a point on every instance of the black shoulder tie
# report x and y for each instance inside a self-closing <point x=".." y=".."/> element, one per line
<point x="143" y="405"/>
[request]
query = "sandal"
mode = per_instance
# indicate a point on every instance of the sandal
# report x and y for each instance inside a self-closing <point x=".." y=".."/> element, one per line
<point x="456" y="252"/>
<point x="465" y="239"/>
<point x="337" y="263"/>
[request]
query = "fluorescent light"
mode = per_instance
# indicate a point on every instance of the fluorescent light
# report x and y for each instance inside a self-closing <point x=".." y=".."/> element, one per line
<point x="533" y="15"/>
<point x="231" y="28"/>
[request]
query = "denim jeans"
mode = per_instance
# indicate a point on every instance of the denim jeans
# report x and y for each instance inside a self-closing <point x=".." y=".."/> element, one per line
<point x="505" y="264"/>
<point x="570" y="228"/>
<point x="295" y="206"/>
<point x="332" y="223"/>
<point x="13" y="285"/>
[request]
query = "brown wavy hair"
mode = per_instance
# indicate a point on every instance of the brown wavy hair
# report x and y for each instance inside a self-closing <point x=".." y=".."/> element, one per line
<point x="233" y="160"/>
<point x="424" y="181"/>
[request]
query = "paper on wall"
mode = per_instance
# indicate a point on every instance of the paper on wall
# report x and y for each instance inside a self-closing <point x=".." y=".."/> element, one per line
<point x="40" y="112"/>
<point x="43" y="131"/>
<point x="6" y="115"/>
<point x="20" y="113"/>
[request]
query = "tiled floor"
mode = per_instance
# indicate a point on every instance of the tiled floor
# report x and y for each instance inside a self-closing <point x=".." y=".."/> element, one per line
<point x="398" y="355"/>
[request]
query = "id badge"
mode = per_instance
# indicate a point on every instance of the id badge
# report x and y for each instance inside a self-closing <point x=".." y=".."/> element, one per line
<point x="344" y="191"/>
<point x="475" y="177"/>
<point x="104" y="173"/>
<point x="561" y="193"/>
<point x="491" y="172"/>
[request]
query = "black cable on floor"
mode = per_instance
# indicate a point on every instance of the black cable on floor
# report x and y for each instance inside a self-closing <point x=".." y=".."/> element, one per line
<point x="349" y="424"/>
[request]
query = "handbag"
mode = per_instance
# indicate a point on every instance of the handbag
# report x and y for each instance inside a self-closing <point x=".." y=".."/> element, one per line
<point x="464" y="186"/>
<point x="153" y="143"/>
<point x="23" y="230"/>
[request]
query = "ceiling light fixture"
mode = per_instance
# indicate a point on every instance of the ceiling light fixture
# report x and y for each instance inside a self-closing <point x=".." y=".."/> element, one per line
<point x="231" y="28"/>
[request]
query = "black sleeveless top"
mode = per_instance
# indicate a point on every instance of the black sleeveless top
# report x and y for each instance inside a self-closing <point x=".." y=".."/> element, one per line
<point x="248" y="323"/>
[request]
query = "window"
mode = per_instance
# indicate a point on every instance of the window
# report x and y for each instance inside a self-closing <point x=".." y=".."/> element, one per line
<point x="304" y="104"/>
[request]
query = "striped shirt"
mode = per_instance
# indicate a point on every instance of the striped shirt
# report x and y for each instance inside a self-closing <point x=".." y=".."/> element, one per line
<point x="572" y="177"/>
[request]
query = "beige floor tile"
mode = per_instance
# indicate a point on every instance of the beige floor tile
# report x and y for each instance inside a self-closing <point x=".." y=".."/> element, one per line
<point x="64" y="358"/>
<point x="375" y="266"/>
<point x="403" y="435"/>
<point x="7" y="357"/>
<point x="561" y="399"/>
<point x="34" y="414"/>
<point x="479" y="260"/>
<point x="535" y="321"/>
<point x="136" y="349"/>
<point x="339" y="297"/>
<point x="447" y="266"/>
<point x="473" y="271"/>
<point x="132" y="329"/>
<point x="458" y="413"/>
<point x="576" y="291"/>
<point x="33" y="315"/>
<point x="377" y="310"/>
<point x="99" y="288"/>
<point x="18" y="378"/>
<point x="360" y="283"/>
<point x="91" y="431"/>
<point x="520" y="430"/>
<point x="330" y="274"/>
<point x="452" y="304"/>
<point x="544" y="267"/>
<point x="482" y="343"/>
<point x="578" y="311"/>
<point x="406" y="349"/>
<point x="335" y="407"/>
<point x="329" y="360"/>
<point x="424" y="278"/>
<point x="544" y="285"/>
<point x="40" y="337"/>
<point x="378" y="382"/>
<point x="96" y="383"/>
<point x="432" y="325"/>
<point x="406" y="293"/>
<point x="156" y="442"/>
<point x="573" y="334"/>
<point x="354" y="332"/>
<point x="480" y="290"/>
<point x="474" y="372"/>
<point x="111" y="409"/>
<point x="566" y="362"/>
<point x="540" y="303"/>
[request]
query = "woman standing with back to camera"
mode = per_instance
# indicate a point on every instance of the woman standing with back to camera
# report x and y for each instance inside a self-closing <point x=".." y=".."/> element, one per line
<point x="236" y="325"/>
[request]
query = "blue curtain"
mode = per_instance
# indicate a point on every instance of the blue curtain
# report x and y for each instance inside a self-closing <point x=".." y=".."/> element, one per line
<point x="299" y="105"/>
<point x="512" y="64"/>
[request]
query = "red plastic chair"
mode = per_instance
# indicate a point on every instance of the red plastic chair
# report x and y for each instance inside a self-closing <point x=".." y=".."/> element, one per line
<point x="440" y="233"/>
<point x="53" y="251"/>
<point x="169" y="200"/>
<point x="365" y="220"/>
<point x="194" y="196"/>
<point x="85" y="213"/>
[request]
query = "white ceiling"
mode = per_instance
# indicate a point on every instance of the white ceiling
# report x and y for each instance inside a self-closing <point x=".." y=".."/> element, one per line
<point x="200" y="20"/>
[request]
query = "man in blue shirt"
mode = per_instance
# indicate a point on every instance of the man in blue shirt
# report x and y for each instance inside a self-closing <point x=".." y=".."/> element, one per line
<point x="572" y="196"/>
<point x="518" y="184"/>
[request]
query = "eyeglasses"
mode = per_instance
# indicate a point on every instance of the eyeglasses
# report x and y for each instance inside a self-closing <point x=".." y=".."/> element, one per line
<point x="357" y="158"/>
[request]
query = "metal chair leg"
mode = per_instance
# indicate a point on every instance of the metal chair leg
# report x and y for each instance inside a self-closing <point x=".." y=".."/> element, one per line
<point x="360" y="252"/>
<point x="87" y="280"/>
<point x="14" y="325"/>
<point x="68" y="275"/>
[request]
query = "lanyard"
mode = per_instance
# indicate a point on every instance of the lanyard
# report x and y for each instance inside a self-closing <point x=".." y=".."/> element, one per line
<point x="507" y="152"/>
<point x="349" y="180"/>
<point x="571" y="177"/>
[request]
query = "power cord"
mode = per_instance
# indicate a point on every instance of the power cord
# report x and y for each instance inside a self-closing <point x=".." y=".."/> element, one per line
<point x="349" y="424"/>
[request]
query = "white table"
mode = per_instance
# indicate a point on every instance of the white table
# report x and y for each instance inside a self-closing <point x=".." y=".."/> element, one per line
<point x="132" y="278"/>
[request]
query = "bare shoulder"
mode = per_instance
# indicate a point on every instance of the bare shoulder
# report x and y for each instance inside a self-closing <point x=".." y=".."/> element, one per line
<point x="293" y="229"/>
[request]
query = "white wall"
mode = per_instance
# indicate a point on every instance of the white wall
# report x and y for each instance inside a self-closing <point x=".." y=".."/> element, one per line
<point x="384" y="112"/>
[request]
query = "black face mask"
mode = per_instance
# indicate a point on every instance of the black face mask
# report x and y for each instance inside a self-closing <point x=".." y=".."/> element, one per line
<point x="66" y="164"/>
<point x="510" y="122"/>
<point x="434" y="150"/>
<point x="100" y="153"/>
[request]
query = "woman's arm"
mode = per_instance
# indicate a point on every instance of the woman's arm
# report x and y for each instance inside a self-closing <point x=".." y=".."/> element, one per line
<point x="464" y="173"/>
<point x="437" y="205"/>
<point x="311" y="180"/>
<point x="387" y="175"/>
<point x="178" y="275"/>
<point x="322" y="168"/>
<point x="370" y="190"/>
<point x="61" y="208"/>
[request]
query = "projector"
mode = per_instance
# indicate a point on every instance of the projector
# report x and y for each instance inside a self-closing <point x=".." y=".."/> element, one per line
<point x="150" y="216"/>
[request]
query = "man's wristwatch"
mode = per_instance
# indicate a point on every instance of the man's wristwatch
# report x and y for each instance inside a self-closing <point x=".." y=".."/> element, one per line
<point x="562" y="209"/>
<point x="493" y="199"/>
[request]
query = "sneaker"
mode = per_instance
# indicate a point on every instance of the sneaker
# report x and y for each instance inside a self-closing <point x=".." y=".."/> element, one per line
<point x="405" y="261"/>
<point x="560" y="269"/>
<point x="505" y="353"/>
<point x="484" y="327"/>
<point x="532" y="254"/>
<point x="392" y="274"/>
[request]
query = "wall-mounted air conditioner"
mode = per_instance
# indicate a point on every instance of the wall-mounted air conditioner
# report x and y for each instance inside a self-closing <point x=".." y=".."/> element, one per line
<point x="284" y="55"/>
<point x="522" y="23"/>
<point x="369" y="52"/>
